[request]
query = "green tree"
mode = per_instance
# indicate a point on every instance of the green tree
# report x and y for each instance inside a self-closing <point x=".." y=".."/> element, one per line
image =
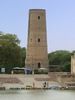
<point x="10" y="51"/>
<point x="67" y="67"/>
<point x="60" y="57"/>
<point x="23" y="56"/>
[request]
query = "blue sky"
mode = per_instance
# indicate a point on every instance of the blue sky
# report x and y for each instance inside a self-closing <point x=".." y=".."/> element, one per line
<point x="60" y="16"/>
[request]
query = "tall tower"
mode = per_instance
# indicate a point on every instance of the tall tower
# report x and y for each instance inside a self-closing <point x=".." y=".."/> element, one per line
<point x="36" y="54"/>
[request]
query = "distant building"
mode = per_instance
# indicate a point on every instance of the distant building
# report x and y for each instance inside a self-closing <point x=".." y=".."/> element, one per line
<point x="36" y="53"/>
<point x="73" y="64"/>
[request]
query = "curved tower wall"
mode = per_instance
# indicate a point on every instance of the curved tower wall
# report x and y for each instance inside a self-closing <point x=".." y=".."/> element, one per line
<point x="36" y="53"/>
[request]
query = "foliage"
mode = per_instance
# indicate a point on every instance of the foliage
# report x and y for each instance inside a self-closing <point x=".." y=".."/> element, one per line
<point x="10" y="51"/>
<point x="62" y="58"/>
<point x="67" y="67"/>
<point x="23" y="56"/>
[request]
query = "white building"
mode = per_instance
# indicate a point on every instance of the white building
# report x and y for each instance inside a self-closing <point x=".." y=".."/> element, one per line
<point x="73" y="64"/>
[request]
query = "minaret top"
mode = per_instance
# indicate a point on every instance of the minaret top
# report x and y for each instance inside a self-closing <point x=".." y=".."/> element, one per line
<point x="37" y="10"/>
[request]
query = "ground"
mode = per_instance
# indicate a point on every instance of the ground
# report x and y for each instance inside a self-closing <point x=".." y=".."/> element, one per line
<point x="35" y="81"/>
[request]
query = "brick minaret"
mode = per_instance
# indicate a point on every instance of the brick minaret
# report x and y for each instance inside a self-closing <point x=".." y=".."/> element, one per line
<point x="36" y="54"/>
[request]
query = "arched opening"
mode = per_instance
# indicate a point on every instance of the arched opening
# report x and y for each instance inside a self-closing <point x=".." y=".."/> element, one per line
<point x="38" y="39"/>
<point x="38" y="17"/>
<point x="39" y="65"/>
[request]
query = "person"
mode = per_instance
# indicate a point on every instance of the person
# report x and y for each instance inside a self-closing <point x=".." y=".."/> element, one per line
<point x="44" y="85"/>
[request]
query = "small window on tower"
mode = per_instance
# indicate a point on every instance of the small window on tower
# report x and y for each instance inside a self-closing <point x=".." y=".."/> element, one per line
<point x="31" y="40"/>
<point x="38" y="39"/>
<point x="38" y="17"/>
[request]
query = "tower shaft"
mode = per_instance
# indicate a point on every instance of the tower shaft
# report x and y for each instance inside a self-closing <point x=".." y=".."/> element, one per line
<point x="36" y="54"/>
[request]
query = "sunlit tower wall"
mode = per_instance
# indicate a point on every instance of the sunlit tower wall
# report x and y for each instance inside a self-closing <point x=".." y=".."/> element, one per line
<point x="36" y="53"/>
<point x="73" y="64"/>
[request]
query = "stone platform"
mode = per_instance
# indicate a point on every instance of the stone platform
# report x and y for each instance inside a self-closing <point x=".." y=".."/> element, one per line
<point x="35" y="81"/>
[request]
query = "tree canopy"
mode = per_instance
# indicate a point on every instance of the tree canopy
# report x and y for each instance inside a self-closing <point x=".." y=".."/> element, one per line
<point x="61" y="58"/>
<point x="10" y="51"/>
